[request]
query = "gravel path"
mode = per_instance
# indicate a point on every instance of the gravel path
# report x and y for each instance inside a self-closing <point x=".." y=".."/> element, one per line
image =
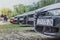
<point x="17" y="34"/>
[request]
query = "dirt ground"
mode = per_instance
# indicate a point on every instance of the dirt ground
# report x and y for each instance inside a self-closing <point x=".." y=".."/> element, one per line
<point x="16" y="34"/>
<point x="24" y="33"/>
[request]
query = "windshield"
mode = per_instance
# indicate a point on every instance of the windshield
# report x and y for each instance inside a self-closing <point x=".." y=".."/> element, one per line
<point x="55" y="12"/>
<point x="49" y="13"/>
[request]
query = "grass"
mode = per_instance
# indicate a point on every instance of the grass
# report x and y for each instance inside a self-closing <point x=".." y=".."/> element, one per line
<point x="12" y="26"/>
<point x="15" y="27"/>
<point x="21" y="31"/>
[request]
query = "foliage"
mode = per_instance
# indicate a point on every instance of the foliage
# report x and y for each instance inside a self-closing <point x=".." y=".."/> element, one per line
<point x="6" y="11"/>
<point x="20" y="8"/>
<point x="26" y="8"/>
<point x="43" y="3"/>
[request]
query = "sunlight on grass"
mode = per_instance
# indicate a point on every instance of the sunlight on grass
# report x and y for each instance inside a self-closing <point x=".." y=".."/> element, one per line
<point x="8" y="28"/>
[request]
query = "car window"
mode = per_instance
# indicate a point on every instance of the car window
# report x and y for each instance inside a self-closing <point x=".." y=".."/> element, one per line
<point x="54" y="12"/>
<point x="15" y="17"/>
<point x="30" y="15"/>
<point x="50" y="13"/>
<point x="46" y="13"/>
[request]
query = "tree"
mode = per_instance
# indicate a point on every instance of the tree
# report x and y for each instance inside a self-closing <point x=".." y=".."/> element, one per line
<point x="6" y="11"/>
<point x="19" y="8"/>
<point x="43" y="3"/>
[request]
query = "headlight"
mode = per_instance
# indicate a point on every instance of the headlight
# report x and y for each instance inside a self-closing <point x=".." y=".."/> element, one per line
<point x="47" y="22"/>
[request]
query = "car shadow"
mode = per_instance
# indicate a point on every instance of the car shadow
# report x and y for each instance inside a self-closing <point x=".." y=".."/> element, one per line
<point x="29" y="30"/>
<point x="52" y="38"/>
<point x="24" y="26"/>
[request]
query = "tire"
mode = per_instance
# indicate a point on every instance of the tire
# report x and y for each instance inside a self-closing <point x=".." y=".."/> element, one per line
<point x="39" y="29"/>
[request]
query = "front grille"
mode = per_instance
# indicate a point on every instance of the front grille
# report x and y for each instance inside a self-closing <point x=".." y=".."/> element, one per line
<point x="56" y="22"/>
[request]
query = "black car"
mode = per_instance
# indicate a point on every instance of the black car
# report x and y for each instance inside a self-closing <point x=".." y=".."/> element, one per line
<point x="25" y="18"/>
<point x="48" y="20"/>
<point x="16" y="19"/>
<point x="30" y="18"/>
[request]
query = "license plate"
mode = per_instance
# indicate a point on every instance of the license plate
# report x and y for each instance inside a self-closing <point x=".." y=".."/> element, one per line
<point x="47" y="22"/>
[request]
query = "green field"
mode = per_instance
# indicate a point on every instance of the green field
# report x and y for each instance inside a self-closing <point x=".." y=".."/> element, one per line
<point x="15" y="27"/>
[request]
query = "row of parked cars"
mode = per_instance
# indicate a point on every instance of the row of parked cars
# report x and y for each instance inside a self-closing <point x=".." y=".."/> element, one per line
<point x="46" y="20"/>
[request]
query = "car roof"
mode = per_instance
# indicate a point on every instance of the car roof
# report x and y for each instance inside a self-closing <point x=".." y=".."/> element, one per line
<point x="27" y="13"/>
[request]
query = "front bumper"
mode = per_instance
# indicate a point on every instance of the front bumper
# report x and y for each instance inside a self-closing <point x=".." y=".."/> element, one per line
<point x="54" y="35"/>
